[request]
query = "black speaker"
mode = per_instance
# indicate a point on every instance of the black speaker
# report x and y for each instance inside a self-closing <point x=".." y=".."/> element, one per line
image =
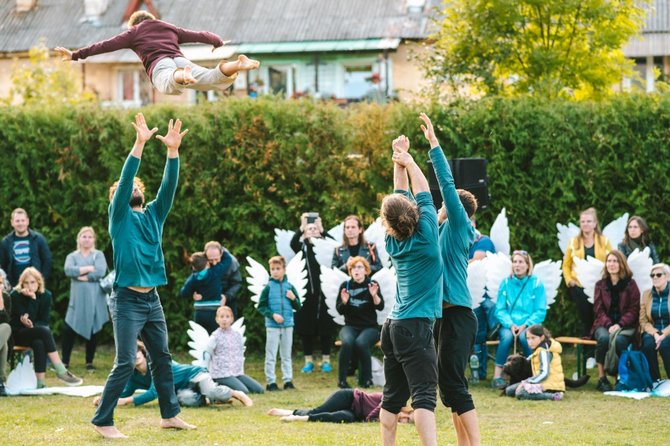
<point x="469" y="174"/>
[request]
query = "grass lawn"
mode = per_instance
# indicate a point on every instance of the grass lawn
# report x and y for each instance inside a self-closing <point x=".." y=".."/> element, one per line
<point x="584" y="417"/>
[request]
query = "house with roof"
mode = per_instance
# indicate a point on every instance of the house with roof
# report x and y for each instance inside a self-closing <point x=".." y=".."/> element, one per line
<point x="342" y="49"/>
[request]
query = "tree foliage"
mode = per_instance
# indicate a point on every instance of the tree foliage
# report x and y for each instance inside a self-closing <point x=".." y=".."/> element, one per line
<point x="547" y="48"/>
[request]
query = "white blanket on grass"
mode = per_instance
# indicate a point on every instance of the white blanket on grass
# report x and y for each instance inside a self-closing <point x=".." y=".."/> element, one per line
<point x="83" y="391"/>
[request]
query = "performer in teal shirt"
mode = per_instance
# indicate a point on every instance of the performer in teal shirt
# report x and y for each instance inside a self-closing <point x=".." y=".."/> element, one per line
<point x="136" y="232"/>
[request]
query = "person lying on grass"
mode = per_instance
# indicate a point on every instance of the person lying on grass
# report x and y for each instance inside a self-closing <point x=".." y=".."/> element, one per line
<point x="193" y="385"/>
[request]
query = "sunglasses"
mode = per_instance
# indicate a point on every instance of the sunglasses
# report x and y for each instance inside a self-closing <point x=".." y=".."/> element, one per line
<point x="656" y="275"/>
<point x="520" y="252"/>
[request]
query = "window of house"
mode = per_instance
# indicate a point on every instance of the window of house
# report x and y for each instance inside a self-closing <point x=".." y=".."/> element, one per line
<point x="133" y="88"/>
<point x="356" y="83"/>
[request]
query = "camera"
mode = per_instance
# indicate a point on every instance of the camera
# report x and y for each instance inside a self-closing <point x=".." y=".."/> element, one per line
<point x="312" y="217"/>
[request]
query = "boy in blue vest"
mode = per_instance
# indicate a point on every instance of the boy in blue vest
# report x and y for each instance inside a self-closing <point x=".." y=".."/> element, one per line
<point x="277" y="303"/>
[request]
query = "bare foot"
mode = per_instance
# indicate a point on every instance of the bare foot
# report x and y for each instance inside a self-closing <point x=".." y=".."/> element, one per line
<point x="184" y="76"/>
<point x="279" y="412"/>
<point x="175" y="423"/>
<point x="243" y="398"/>
<point x="109" y="432"/>
<point x="290" y="418"/>
<point x="243" y="63"/>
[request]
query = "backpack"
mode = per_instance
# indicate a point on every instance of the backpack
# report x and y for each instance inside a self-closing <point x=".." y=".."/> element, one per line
<point x="633" y="372"/>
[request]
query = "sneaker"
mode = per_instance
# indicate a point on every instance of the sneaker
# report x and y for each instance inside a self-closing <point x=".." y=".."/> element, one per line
<point x="367" y="384"/>
<point x="474" y="369"/>
<point x="308" y="368"/>
<point x="272" y="387"/>
<point x="288" y="385"/>
<point x="69" y="379"/>
<point x="498" y="383"/>
<point x="3" y="392"/>
<point x="90" y="368"/>
<point x="326" y="367"/>
<point x="558" y="396"/>
<point x="343" y="385"/>
<point x="604" y="385"/>
<point x="590" y="363"/>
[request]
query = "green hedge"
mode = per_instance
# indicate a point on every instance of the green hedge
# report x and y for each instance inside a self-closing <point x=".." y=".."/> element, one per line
<point x="249" y="166"/>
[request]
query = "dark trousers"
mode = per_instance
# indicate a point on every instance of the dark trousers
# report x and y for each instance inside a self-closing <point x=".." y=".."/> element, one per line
<point x="649" y="349"/>
<point x="68" y="337"/>
<point x="486" y="320"/>
<point x="336" y="409"/>
<point x="41" y="340"/>
<point x="410" y="364"/>
<point x="138" y="314"/>
<point x="602" y="337"/>
<point x="360" y="341"/>
<point x="584" y="309"/>
<point x="308" y="343"/>
<point x="455" y="334"/>
<point x="206" y="319"/>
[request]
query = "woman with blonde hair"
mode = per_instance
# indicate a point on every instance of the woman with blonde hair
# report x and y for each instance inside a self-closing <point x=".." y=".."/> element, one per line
<point x="655" y="320"/>
<point x="87" y="311"/>
<point x="31" y="304"/>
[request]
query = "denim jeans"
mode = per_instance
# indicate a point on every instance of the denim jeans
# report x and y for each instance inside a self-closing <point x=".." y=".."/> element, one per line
<point x="506" y="340"/>
<point x="138" y="314"/>
<point x="359" y="340"/>
<point x="649" y="349"/>
<point x="486" y="320"/>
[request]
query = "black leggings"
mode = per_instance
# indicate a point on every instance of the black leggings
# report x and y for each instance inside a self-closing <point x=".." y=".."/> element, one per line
<point x="308" y="343"/>
<point x="68" y="337"/>
<point x="336" y="409"/>
<point x="584" y="309"/>
<point x="40" y="340"/>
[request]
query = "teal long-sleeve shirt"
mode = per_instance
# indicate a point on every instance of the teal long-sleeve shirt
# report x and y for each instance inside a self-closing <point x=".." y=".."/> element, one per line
<point x="137" y="235"/>
<point x="456" y="235"/>
<point x="182" y="374"/>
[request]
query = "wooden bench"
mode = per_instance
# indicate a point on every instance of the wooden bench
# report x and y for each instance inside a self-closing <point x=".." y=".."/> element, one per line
<point x="338" y="343"/>
<point x="16" y="351"/>
<point x="581" y="354"/>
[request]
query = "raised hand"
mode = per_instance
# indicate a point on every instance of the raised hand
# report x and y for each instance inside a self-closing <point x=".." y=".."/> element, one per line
<point x="174" y="135"/>
<point x="403" y="159"/>
<point x="400" y="144"/>
<point x="344" y="295"/>
<point x="64" y="53"/>
<point x="428" y="130"/>
<point x="373" y="287"/>
<point x="143" y="133"/>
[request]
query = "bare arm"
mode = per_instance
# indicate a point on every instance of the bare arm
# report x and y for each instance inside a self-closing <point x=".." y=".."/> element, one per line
<point x="416" y="176"/>
<point x="400" y="180"/>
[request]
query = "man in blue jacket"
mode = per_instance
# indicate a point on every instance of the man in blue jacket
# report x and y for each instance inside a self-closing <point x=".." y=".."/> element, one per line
<point x="24" y="247"/>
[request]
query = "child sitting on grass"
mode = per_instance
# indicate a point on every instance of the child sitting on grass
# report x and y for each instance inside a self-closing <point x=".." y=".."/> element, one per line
<point x="547" y="382"/>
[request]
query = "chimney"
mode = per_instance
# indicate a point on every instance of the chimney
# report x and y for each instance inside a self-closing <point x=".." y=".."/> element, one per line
<point x="25" y="5"/>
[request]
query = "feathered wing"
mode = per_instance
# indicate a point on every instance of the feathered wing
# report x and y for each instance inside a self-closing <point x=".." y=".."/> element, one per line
<point x="387" y="287"/>
<point x="500" y="233"/>
<point x="550" y="274"/>
<point x="477" y="281"/>
<point x="239" y="327"/>
<point x="616" y="230"/>
<point x="22" y="378"/>
<point x="564" y="234"/>
<point x="296" y="272"/>
<point x="588" y="272"/>
<point x="323" y="250"/>
<point x="498" y="266"/>
<point x="337" y="232"/>
<point x="375" y="233"/>
<point x="331" y="279"/>
<point x="199" y="340"/>
<point x="640" y="264"/>
<point x="283" y="242"/>
<point x="257" y="278"/>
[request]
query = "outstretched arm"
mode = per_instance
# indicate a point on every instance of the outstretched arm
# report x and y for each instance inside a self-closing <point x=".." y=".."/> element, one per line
<point x="400" y="180"/>
<point x="168" y="187"/>
<point x="416" y="176"/>
<point x="118" y="42"/>
<point x="189" y="36"/>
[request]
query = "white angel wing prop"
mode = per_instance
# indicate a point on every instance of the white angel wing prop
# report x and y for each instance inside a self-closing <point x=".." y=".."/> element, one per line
<point x="337" y="232"/>
<point x="22" y="378"/>
<point x="640" y="264"/>
<point x="387" y="287"/>
<point x="498" y="266"/>
<point x="283" y="242"/>
<point x="375" y="234"/>
<point x="476" y="281"/>
<point x="324" y="249"/>
<point x="331" y="279"/>
<point x="239" y="327"/>
<point x="565" y="233"/>
<point x="257" y="279"/>
<point x="550" y="274"/>
<point x="500" y="233"/>
<point x="588" y="273"/>
<point x="616" y="230"/>
<point x="297" y="275"/>
<point x="198" y="343"/>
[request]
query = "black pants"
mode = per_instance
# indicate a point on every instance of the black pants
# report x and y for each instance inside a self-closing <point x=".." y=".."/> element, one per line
<point x="206" y="319"/>
<point x="40" y="339"/>
<point x="455" y="334"/>
<point x="308" y="343"/>
<point x="336" y="409"/>
<point x="68" y="337"/>
<point x="584" y="309"/>
<point x="410" y="364"/>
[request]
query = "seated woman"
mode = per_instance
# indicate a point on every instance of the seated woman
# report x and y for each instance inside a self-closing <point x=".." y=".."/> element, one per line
<point x="354" y="244"/>
<point x="616" y="307"/>
<point x="358" y="300"/>
<point x="344" y="406"/>
<point x="191" y="383"/>
<point x="521" y="303"/>
<point x="637" y="237"/>
<point x="31" y="305"/>
<point x="655" y="321"/>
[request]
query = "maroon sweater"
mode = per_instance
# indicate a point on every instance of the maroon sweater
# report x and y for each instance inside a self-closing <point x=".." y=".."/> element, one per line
<point x="151" y="40"/>
<point x="366" y="406"/>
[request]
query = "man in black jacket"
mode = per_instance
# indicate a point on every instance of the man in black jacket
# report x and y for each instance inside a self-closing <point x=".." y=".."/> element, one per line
<point x="24" y="247"/>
